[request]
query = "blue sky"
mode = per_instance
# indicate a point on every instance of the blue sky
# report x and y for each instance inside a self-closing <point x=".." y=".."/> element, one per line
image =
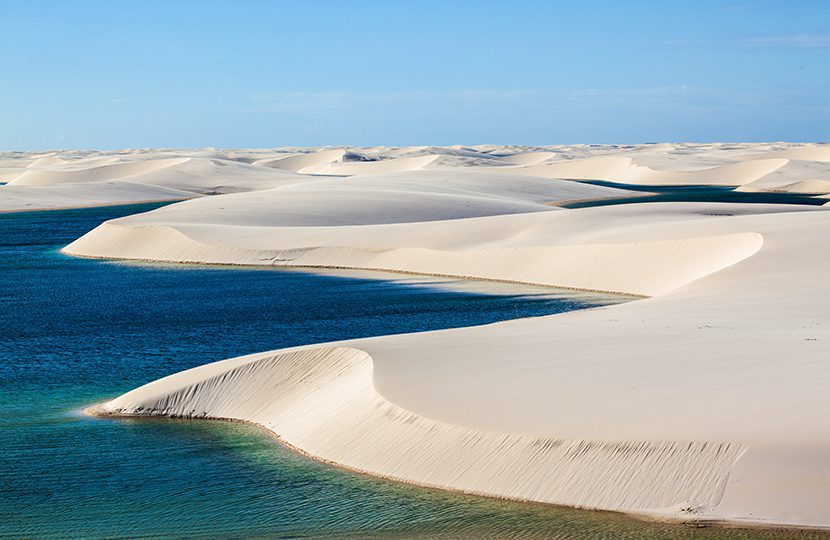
<point x="256" y="73"/>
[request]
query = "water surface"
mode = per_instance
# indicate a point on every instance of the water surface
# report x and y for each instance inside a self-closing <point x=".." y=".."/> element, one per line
<point x="694" y="193"/>
<point x="76" y="331"/>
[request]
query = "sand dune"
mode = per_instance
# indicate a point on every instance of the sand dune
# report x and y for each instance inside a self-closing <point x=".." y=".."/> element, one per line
<point x="598" y="168"/>
<point x="296" y="162"/>
<point x="754" y="167"/>
<point x="395" y="198"/>
<point x="623" y="169"/>
<point x="668" y="366"/>
<point x="794" y="177"/>
<point x="193" y="174"/>
<point x="809" y="153"/>
<point x="704" y="400"/>
<point x="46" y="162"/>
<point x="350" y="168"/>
<point x="61" y="173"/>
<point x="100" y="181"/>
<point x="529" y="158"/>
<point x="818" y="187"/>
<point x="28" y="198"/>
<point x="736" y="174"/>
<point x="292" y="390"/>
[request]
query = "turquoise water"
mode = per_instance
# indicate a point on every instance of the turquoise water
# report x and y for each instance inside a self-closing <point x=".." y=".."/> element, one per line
<point x="75" y="331"/>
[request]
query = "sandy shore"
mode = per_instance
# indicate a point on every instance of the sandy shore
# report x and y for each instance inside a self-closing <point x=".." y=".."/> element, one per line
<point x="705" y="401"/>
<point x="83" y="206"/>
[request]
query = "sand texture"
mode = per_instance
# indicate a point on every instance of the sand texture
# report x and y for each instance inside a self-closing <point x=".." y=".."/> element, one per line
<point x="706" y="399"/>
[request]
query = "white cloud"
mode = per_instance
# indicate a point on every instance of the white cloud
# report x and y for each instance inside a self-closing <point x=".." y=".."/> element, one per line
<point x="807" y="41"/>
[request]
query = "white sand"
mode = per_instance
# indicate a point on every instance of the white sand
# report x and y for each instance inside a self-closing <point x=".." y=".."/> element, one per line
<point x="706" y="401"/>
<point x="50" y="183"/>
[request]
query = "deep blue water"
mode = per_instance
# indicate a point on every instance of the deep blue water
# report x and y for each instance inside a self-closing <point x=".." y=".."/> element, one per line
<point x="76" y="331"/>
<point x="693" y="193"/>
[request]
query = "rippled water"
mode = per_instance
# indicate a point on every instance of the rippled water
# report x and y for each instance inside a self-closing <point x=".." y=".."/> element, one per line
<point x="76" y="331"/>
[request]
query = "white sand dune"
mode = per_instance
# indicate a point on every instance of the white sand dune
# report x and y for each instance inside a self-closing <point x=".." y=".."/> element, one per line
<point x="296" y="162"/>
<point x="596" y="168"/>
<point x="705" y="400"/>
<point x="28" y="198"/>
<point x="511" y="247"/>
<point x="736" y="174"/>
<point x="529" y="158"/>
<point x="7" y="174"/>
<point x="663" y="381"/>
<point x="388" y="198"/>
<point x="808" y="153"/>
<point x="324" y="401"/>
<point x="401" y="151"/>
<point x="755" y="167"/>
<point x="47" y="162"/>
<point x="623" y="169"/>
<point x="101" y="181"/>
<point x="795" y="177"/>
<point x="351" y="168"/>
<point x="191" y="174"/>
<point x="61" y="173"/>
<point x="815" y="187"/>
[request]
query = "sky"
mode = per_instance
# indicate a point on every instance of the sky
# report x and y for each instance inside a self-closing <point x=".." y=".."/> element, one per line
<point x="235" y="74"/>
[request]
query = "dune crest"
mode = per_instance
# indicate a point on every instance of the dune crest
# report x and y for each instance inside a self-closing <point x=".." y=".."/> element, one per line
<point x="703" y="400"/>
<point x="52" y="174"/>
<point x="323" y="401"/>
<point x="703" y="265"/>
<point x="37" y="181"/>
<point x="641" y="268"/>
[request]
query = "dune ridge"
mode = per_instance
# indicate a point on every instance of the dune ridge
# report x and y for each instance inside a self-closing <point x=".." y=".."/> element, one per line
<point x="68" y="179"/>
<point x="564" y="266"/>
<point x="53" y="183"/>
<point x="700" y="263"/>
<point x="711" y="388"/>
<point x="289" y="392"/>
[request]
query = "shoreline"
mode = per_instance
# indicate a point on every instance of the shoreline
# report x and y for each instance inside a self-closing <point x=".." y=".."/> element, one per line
<point x="634" y="296"/>
<point x="647" y="405"/>
<point x="628" y="497"/>
<point x="92" y="411"/>
<point x="95" y="205"/>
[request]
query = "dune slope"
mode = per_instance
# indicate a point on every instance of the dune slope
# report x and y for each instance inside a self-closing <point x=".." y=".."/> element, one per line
<point x="704" y="401"/>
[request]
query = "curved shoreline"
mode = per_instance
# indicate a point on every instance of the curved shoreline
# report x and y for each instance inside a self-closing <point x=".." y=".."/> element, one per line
<point x="270" y="257"/>
<point x="94" y="205"/>
<point x="90" y="411"/>
<point x="379" y="270"/>
<point x="568" y="266"/>
<point x="705" y="397"/>
<point x="285" y="389"/>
